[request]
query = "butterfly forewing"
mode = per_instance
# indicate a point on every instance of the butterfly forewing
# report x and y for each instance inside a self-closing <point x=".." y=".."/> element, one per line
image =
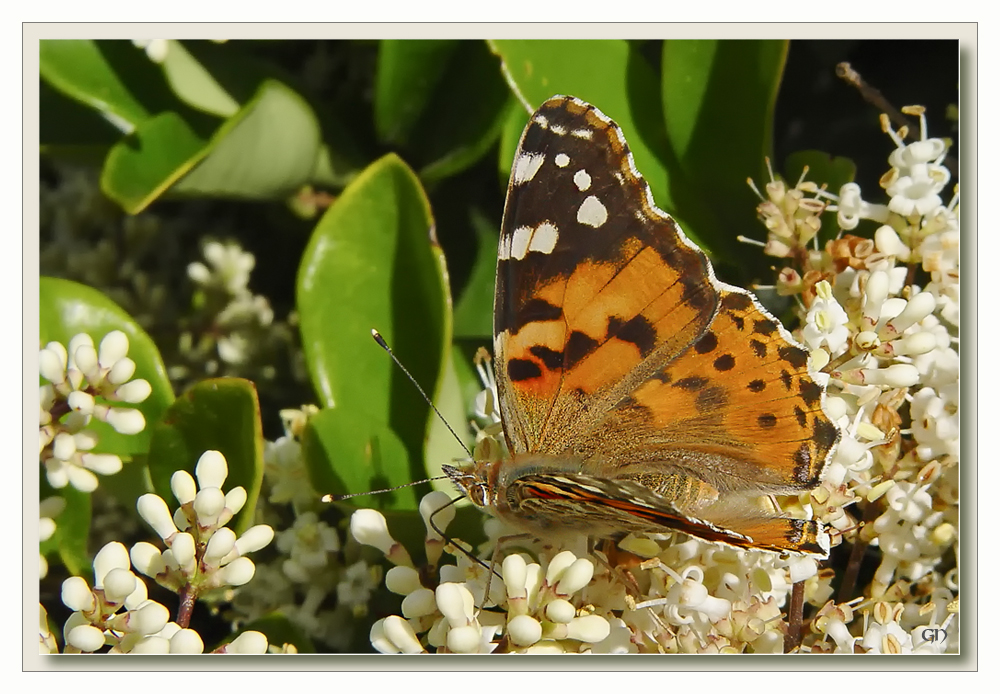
<point x="594" y="290"/>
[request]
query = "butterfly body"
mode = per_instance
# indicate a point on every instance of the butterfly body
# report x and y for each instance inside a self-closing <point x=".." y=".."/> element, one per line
<point x="637" y="392"/>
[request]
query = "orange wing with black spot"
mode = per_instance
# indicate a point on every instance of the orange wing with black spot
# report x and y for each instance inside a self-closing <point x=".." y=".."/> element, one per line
<point x="593" y="288"/>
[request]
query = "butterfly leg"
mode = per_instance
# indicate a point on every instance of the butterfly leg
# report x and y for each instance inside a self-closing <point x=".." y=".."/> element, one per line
<point x="501" y="541"/>
<point x="618" y="563"/>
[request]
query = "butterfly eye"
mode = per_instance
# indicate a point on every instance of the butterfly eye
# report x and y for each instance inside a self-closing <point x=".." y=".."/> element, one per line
<point x="478" y="495"/>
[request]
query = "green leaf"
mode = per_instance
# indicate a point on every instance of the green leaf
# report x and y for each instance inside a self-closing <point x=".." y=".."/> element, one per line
<point x="718" y="105"/>
<point x="127" y="485"/>
<point x="221" y="414"/>
<point x="141" y="167"/>
<point x="268" y="149"/>
<point x="824" y="169"/>
<point x="83" y="71"/>
<point x="440" y="101"/>
<point x="194" y="84"/>
<point x="406" y="76"/>
<point x="68" y="308"/>
<point x="510" y="137"/>
<point x="474" y="309"/>
<point x="466" y="115"/>
<point x="609" y="74"/>
<point x="442" y="448"/>
<point x="373" y="262"/>
<point x="348" y="452"/>
<point x="72" y="529"/>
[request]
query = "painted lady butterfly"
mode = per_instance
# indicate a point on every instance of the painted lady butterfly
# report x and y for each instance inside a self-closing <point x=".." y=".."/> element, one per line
<point x="637" y="392"/>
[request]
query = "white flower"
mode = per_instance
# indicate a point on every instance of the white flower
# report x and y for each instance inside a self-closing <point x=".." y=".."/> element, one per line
<point x="917" y="176"/>
<point x="286" y="473"/>
<point x="309" y="543"/>
<point x="231" y="267"/>
<point x="826" y="322"/>
<point x="356" y="585"/>
<point x="156" y="49"/>
<point x="851" y="208"/>
<point x="935" y="424"/>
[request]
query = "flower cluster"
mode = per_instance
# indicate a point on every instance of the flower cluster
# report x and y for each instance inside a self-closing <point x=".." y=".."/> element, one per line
<point x="243" y="327"/>
<point x="881" y="317"/>
<point x="202" y="555"/>
<point x="321" y="584"/>
<point x="82" y="381"/>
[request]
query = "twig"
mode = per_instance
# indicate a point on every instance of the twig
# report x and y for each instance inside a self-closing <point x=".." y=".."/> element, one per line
<point x="795" y="604"/>
<point x="874" y="97"/>
<point x="857" y="554"/>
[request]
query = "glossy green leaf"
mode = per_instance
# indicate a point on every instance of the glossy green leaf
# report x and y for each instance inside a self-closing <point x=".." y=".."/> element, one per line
<point x="510" y="137"/>
<point x="441" y="101"/>
<point x="373" y="262"/>
<point x="82" y="70"/>
<point x="194" y="84"/>
<point x="465" y="116"/>
<point x="609" y="74"/>
<point x="141" y="167"/>
<point x="474" y="309"/>
<point x="824" y="169"/>
<point x="68" y="308"/>
<point x="442" y="446"/>
<point x="221" y="414"/>
<point x="348" y="452"/>
<point x="718" y="105"/>
<point x="267" y="150"/>
<point x="406" y="76"/>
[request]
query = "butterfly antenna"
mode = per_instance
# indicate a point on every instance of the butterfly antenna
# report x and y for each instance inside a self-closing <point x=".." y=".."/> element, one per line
<point x="327" y="498"/>
<point x="381" y="343"/>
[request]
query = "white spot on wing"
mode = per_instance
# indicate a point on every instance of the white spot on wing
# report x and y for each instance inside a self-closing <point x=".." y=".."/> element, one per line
<point x="558" y="129"/>
<point x="562" y="160"/>
<point x="541" y="120"/>
<point x="519" y="244"/>
<point x="582" y="179"/>
<point x="527" y="166"/>
<point x="592" y="212"/>
<point x="544" y="239"/>
<point x="583" y="134"/>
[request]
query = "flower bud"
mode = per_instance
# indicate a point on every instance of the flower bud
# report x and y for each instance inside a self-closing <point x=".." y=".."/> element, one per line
<point x="114" y="346"/>
<point x="211" y="470"/>
<point x="154" y="511"/>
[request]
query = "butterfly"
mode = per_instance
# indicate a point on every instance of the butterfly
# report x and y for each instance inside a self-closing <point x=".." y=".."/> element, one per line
<point x="637" y="392"/>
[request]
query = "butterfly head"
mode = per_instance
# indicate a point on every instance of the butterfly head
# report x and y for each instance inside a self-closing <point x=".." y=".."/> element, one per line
<point x="474" y="482"/>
